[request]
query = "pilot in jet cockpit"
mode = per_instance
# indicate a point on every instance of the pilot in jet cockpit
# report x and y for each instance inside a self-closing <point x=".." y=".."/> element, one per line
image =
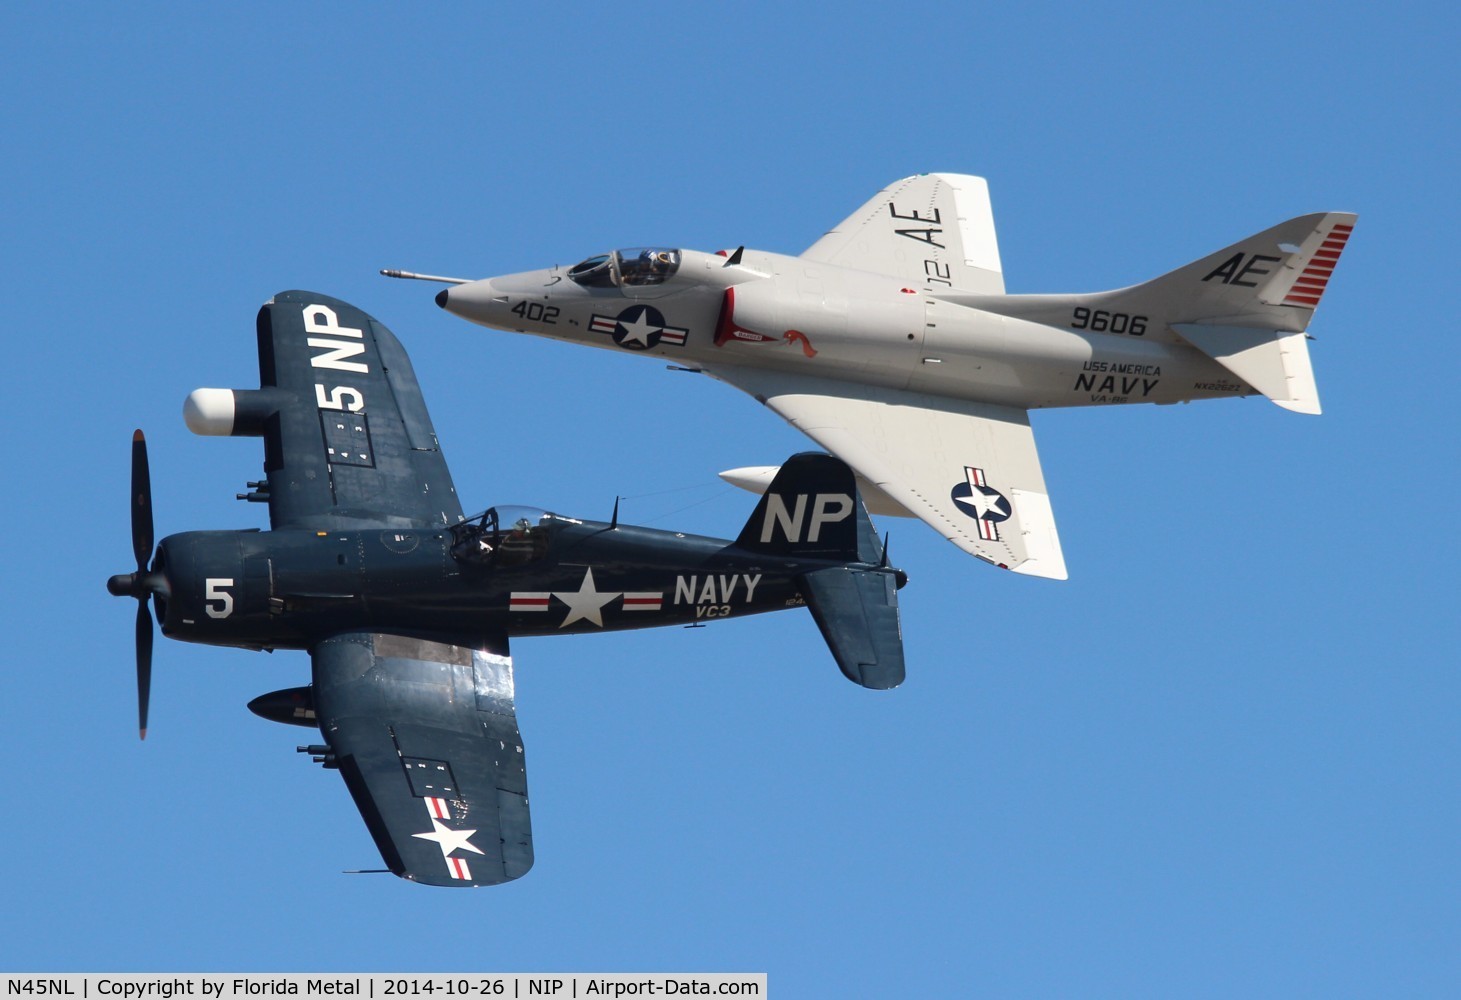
<point x="634" y="267"/>
<point x="502" y="537"/>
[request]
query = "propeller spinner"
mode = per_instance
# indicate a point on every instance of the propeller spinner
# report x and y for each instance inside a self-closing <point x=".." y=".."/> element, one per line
<point x="143" y="583"/>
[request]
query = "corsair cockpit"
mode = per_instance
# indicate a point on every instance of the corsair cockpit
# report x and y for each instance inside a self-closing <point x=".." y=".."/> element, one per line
<point x="503" y="536"/>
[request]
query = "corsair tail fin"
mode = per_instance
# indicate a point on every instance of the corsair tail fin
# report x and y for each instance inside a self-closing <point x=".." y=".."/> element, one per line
<point x="812" y="510"/>
<point x="1246" y="306"/>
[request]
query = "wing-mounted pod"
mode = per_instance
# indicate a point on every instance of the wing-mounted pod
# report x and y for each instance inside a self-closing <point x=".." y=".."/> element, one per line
<point x="291" y="706"/>
<point x="231" y="412"/>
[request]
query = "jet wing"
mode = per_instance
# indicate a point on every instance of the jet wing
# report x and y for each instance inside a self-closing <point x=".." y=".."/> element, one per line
<point x="935" y="231"/>
<point x="969" y="470"/>
<point x="350" y="441"/>
<point x="425" y="736"/>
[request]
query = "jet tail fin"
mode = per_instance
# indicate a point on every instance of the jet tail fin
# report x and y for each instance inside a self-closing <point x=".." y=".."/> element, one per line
<point x="1246" y="306"/>
<point x="812" y="510"/>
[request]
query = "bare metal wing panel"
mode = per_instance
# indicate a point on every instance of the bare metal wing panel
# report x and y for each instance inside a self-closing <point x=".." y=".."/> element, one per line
<point x="425" y="736"/>
<point x="935" y="231"/>
<point x="969" y="470"/>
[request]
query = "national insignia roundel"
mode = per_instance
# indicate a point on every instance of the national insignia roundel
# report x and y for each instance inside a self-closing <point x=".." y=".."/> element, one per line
<point x="638" y="328"/>
<point x="982" y="502"/>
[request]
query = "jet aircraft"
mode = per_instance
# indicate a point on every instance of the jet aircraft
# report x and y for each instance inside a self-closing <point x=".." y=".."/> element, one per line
<point x="406" y="605"/>
<point x="892" y="344"/>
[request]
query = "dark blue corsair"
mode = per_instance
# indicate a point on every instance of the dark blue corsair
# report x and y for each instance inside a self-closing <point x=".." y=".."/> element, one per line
<point x="406" y="606"/>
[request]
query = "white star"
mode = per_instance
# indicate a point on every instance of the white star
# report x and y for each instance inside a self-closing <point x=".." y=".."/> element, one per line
<point x="638" y="332"/>
<point x="448" y="839"/>
<point x="586" y="602"/>
<point x="982" y="502"/>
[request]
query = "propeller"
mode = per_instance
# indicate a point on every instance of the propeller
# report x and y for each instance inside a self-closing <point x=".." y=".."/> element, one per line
<point x="141" y="584"/>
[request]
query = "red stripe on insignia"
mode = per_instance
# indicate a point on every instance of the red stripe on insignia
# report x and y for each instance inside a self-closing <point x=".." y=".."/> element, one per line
<point x="459" y="868"/>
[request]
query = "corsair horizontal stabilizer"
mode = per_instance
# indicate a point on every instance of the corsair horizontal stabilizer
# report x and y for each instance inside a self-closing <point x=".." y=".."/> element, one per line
<point x="857" y="611"/>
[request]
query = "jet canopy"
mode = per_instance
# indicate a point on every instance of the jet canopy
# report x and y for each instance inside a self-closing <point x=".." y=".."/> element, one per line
<point x="634" y="266"/>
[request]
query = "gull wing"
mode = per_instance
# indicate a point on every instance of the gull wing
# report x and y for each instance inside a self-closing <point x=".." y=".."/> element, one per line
<point x="425" y="736"/>
<point x="969" y="470"/>
<point x="934" y="231"/>
<point x="350" y="441"/>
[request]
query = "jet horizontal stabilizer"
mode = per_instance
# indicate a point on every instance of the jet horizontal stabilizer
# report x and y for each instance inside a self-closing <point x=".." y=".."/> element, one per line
<point x="1274" y="362"/>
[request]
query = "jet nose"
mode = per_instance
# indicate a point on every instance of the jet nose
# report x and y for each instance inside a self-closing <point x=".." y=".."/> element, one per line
<point x="477" y="301"/>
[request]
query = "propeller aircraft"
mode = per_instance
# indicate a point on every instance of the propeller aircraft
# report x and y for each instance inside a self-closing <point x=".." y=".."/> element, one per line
<point x="892" y="344"/>
<point x="406" y="605"/>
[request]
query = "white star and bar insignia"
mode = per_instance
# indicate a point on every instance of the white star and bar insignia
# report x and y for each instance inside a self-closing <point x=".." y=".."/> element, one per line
<point x="448" y="839"/>
<point x="986" y="505"/>
<point x="587" y="603"/>
<point x="638" y="328"/>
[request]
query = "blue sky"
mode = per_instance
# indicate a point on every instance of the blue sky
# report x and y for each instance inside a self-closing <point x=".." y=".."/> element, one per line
<point x="1222" y="759"/>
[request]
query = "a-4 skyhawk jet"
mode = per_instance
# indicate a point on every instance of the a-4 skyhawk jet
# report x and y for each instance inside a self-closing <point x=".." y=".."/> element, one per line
<point x="891" y="343"/>
<point x="406" y="606"/>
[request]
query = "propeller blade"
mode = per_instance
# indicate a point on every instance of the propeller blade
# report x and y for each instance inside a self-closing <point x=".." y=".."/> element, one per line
<point x="144" y="665"/>
<point x="141" y="502"/>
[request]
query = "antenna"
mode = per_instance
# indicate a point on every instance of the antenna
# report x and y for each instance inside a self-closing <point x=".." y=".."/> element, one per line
<point x="735" y="258"/>
<point x="614" y="521"/>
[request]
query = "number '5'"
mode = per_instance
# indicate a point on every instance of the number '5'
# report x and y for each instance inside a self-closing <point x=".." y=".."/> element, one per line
<point x="213" y="591"/>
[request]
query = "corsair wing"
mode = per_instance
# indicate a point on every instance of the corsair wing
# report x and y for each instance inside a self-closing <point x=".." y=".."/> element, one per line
<point x="969" y="470"/>
<point x="934" y="231"/>
<point x="425" y="736"/>
<point x="350" y="442"/>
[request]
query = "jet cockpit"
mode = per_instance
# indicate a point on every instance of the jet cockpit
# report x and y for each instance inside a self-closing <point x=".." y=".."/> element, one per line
<point x="634" y="267"/>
